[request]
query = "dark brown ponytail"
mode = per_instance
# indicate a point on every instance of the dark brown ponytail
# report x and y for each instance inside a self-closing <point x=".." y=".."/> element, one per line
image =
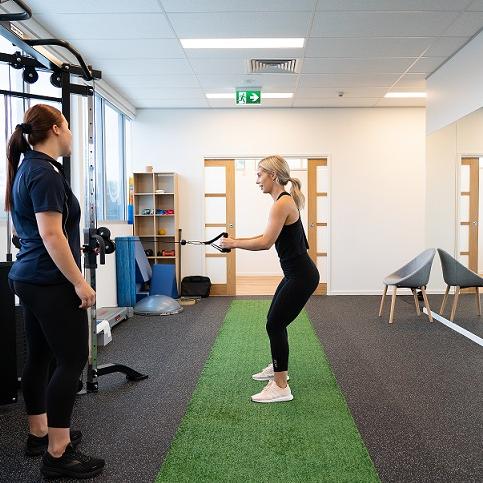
<point x="37" y="122"/>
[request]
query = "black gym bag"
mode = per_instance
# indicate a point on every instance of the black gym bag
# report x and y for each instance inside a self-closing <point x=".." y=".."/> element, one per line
<point x="195" y="286"/>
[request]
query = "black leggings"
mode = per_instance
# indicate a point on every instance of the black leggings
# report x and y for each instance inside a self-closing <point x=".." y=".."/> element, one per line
<point x="300" y="280"/>
<point x="55" y="327"/>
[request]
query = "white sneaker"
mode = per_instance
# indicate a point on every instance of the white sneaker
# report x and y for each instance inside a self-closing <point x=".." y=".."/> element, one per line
<point x="272" y="393"/>
<point x="265" y="374"/>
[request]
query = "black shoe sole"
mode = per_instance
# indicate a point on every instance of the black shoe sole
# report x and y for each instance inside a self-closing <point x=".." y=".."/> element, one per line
<point x="40" y="450"/>
<point x="52" y="473"/>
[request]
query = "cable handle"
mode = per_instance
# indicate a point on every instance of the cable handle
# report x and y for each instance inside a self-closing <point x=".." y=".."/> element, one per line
<point x="208" y="242"/>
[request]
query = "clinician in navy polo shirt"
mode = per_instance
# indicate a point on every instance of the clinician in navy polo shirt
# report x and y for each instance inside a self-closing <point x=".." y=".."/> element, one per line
<point x="47" y="278"/>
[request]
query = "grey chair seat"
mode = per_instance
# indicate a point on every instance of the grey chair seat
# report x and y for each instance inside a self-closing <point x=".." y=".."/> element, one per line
<point x="455" y="274"/>
<point x="415" y="273"/>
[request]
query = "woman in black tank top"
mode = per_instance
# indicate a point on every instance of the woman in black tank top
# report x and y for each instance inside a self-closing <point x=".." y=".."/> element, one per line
<point x="301" y="276"/>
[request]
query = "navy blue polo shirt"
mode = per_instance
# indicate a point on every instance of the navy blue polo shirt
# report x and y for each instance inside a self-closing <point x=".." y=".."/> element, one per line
<point x="40" y="186"/>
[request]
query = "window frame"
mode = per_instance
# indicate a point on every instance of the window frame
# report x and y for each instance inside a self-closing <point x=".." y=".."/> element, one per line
<point x="100" y="126"/>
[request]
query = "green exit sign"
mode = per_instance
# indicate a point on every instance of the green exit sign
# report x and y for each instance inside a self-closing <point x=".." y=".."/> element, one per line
<point x="248" y="97"/>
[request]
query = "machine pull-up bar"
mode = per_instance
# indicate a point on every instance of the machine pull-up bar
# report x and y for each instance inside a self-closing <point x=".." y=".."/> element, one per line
<point x="13" y="17"/>
<point x="87" y="74"/>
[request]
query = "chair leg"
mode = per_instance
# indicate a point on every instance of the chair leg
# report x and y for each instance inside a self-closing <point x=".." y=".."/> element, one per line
<point x="426" y="303"/>
<point x="382" y="300"/>
<point x="455" y="303"/>
<point x="416" y="302"/>
<point x="393" y="304"/>
<point x="445" y="298"/>
<point x="478" y="304"/>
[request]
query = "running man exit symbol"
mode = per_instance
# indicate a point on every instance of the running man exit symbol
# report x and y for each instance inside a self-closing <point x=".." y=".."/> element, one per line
<point x="248" y="97"/>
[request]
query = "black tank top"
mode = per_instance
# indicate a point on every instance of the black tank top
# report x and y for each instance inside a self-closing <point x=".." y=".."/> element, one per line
<point x="292" y="241"/>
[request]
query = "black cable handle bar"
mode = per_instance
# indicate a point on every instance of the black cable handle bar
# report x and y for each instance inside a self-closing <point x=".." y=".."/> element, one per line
<point x="62" y="43"/>
<point x="208" y="242"/>
<point x="12" y="17"/>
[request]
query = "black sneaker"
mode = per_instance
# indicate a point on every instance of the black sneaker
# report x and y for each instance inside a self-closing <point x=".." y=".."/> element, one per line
<point x="37" y="446"/>
<point x="72" y="463"/>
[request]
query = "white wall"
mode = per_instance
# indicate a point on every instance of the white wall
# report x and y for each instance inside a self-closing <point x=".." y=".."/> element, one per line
<point x="441" y="176"/>
<point x="445" y="148"/>
<point x="377" y="160"/>
<point x="456" y="89"/>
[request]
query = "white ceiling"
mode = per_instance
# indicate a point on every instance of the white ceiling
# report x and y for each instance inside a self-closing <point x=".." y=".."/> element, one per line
<point x="361" y="47"/>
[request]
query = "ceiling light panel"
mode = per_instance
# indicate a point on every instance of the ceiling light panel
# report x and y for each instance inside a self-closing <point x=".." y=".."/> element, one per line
<point x="398" y="5"/>
<point x="405" y="95"/>
<point x="243" y="43"/>
<point x="191" y="6"/>
<point x="94" y="6"/>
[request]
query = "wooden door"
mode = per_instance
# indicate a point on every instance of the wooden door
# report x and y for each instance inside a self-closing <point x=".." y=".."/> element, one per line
<point x="318" y="212"/>
<point x="220" y="216"/>
<point x="469" y="213"/>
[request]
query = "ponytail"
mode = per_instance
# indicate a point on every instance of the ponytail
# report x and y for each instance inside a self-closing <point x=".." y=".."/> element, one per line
<point x="38" y="121"/>
<point x="17" y="145"/>
<point x="296" y="193"/>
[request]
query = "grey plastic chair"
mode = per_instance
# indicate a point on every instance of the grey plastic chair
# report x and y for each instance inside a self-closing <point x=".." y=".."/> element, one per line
<point x="457" y="275"/>
<point x="413" y="275"/>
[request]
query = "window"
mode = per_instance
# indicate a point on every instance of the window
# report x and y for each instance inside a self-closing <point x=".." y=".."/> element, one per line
<point x="11" y="113"/>
<point x="112" y="150"/>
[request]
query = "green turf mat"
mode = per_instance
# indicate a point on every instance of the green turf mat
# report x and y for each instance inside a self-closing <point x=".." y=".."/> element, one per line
<point x="226" y="437"/>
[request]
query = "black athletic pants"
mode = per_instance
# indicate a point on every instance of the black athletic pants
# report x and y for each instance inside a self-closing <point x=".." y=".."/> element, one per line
<point x="55" y="327"/>
<point x="299" y="283"/>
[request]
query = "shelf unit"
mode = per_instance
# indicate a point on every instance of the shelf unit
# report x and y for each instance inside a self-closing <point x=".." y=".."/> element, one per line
<point x="147" y="196"/>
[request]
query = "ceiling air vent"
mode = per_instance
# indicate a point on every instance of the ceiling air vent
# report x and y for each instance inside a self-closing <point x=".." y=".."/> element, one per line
<point x="273" y="66"/>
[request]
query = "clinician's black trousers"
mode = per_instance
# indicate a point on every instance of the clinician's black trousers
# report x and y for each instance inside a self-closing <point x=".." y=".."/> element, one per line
<point x="299" y="283"/>
<point x="54" y="327"/>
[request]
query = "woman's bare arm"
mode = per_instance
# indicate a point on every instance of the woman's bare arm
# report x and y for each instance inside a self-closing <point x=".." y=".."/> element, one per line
<point x="276" y="220"/>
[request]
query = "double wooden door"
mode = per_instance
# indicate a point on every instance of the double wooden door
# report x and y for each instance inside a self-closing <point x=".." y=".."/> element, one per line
<point x="219" y="212"/>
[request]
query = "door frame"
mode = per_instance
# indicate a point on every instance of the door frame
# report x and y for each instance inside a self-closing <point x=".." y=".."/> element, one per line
<point x="228" y="288"/>
<point x="473" y="222"/>
<point x="312" y="224"/>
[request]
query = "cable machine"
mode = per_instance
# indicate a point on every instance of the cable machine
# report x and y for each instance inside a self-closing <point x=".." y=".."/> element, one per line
<point x="96" y="240"/>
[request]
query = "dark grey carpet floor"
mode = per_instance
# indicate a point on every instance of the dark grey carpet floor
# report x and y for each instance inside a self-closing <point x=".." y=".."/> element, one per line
<point x="466" y="312"/>
<point x="415" y="389"/>
<point x="130" y="424"/>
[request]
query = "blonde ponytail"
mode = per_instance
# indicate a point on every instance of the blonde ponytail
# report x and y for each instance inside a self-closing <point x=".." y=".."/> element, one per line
<point x="296" y="192"/>
<point x="279" y="166"/>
